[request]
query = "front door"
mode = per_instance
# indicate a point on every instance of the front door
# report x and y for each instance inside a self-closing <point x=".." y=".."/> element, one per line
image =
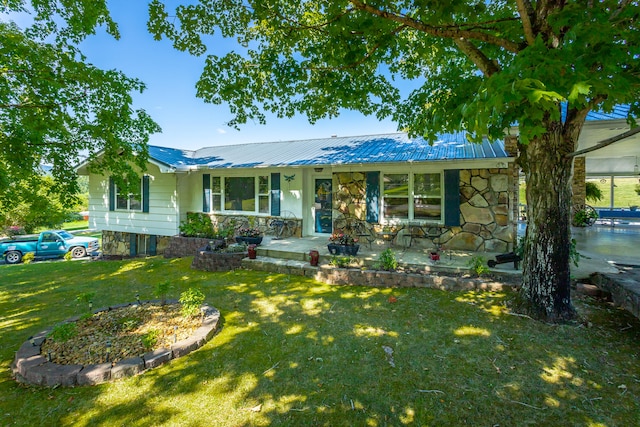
<point x="323" y="205"/>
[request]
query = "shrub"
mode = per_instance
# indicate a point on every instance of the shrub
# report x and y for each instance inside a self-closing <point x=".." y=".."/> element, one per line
<point x="341" y="261"/>
<point x="197" y="225"/>
<point x="477" y="264"/>
<point x="150" y="339"/>
<point x="161" y="291"/>
<point x="387" y="260"/>
<point x="191" y="300"/>
<point x="63" y="332"/>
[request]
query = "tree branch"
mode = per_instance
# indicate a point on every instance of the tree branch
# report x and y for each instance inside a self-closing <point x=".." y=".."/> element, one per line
<point x="606" y="142"/>
<point x="450" y="33"/>
<point x="484" y="64"/>
<point x="621" y="7"/>
<point x="526" y="11"/>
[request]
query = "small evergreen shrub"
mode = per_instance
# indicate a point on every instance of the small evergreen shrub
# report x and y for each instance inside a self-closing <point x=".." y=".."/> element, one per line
<point x="28" y="257"/>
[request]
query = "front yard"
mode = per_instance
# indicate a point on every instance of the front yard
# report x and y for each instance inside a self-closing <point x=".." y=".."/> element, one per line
<point x="292" y="351"/>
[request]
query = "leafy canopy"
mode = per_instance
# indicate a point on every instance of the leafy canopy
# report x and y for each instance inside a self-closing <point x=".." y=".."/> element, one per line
<point x="57" y="109"/>
<point x="480" y="66"/>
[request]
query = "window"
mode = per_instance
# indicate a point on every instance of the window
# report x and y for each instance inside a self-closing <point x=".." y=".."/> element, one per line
<point x="396" y="196"/>
<point x="427" y="196"/>
<point x="263" y="194"/>
<point x="245" y="194"/>
<point x="131" y="201"/>
<point x="216" y="193"/>
<point x="412" y="196"/>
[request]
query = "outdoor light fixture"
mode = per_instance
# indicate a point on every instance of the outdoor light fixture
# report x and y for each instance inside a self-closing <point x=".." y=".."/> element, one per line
<point x="138" y="298"/>
<point x="635" y="167"/>
<point x="108" y="350"/>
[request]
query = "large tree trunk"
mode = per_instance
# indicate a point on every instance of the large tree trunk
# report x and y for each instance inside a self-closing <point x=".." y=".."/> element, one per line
<point x="546" y="275"/>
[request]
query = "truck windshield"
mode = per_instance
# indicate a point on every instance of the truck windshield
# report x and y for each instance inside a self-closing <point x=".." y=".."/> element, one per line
<point x="65" y="235"/>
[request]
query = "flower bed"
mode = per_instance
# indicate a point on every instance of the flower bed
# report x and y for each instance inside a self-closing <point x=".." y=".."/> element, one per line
<point x="32" y="366"/>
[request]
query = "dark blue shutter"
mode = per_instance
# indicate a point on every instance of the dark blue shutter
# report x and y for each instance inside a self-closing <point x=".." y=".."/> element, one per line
<point x="112" y="194"/>
<point x="153" y="245"/>
<point x="275" y="194"/>
<point x="206" y="193"/>
<point x="145" y="193"/>
<point x="133" y="240"/>
<point x="452" y="197"/>
<point x="373" y="197"/>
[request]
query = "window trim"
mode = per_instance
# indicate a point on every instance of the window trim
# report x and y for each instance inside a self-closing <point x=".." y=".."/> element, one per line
<point x="256" y="194"/>
<point x="411" y="196"/>
<point x="116" y="194"/>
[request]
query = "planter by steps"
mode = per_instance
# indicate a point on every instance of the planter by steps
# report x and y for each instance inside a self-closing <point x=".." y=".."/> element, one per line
<point x="343" y="249"/>
<point x="249" y="240"/>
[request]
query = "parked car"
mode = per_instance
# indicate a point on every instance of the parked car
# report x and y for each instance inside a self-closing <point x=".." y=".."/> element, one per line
<point x="47" y="244"/>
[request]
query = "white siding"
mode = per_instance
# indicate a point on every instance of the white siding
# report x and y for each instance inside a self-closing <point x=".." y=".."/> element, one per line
<point x="162" y="218"/>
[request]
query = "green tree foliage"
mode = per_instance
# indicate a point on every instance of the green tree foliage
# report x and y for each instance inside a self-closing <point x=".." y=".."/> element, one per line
<point x="55" y="108"/>
<point x="34" y="204"/>
<point x="480" y="66"/>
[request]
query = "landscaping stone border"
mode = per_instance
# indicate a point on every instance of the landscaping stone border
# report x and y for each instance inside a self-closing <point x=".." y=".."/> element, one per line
<point x="32" y="367"/>
<point x="378" y="278"/>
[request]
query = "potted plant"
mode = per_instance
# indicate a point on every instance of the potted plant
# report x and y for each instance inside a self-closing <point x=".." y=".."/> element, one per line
<point x="249" y="235"/>
<point x="343" y="244"/>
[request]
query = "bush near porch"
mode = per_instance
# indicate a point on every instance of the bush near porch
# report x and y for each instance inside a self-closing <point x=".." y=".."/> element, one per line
<point x="292" y="351"/>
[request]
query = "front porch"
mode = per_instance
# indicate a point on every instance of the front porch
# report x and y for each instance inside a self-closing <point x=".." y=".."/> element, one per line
<point x="414" y="258"/>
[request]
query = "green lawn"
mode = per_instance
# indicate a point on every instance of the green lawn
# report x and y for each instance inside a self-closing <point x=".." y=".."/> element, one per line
<point x="293" y="352"/>
<point x="624" y="192"/>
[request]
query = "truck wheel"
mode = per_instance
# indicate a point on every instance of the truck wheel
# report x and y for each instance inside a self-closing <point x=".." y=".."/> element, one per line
<point x="13" y="257"/>
<point x="78" y="252"/>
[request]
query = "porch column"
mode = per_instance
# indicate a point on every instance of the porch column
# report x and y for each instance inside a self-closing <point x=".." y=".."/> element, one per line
<point x="579" y="187"/>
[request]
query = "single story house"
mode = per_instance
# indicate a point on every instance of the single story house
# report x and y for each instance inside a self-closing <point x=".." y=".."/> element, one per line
<point x="460" y="195"/>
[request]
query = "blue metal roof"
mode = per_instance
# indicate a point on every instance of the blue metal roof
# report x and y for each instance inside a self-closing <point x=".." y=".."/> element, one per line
<point x="370" y="149"/>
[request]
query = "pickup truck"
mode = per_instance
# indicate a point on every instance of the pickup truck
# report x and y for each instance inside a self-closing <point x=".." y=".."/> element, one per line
<point x="47" y="244"/>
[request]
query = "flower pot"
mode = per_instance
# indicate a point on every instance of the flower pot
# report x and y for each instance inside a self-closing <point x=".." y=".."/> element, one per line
<point x="252" y="251"/>
<point x="249" y="240"/>
<point x="343" y="249"/>
<point x="314" y="258"/>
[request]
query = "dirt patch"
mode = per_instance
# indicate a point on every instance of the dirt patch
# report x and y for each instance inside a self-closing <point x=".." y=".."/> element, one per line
<point x="118" y="334"/>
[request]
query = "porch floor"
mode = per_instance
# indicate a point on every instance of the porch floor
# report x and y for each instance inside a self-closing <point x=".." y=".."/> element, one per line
<point x="602" y="248"/>
<point x="297" y="249"/>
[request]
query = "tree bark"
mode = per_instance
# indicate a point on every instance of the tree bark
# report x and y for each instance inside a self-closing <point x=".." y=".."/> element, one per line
<point x="546" y="275"/>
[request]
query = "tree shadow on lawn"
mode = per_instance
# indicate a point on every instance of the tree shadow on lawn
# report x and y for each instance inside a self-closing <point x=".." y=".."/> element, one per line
<point x="295" y="352"/>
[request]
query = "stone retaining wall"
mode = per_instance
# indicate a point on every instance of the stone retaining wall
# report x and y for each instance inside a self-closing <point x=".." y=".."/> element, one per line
<point x="217" y="261"/>
<point x="378" y="278"/>
<point x="624" y="289"/>
<point x="179" y="246"/>
<point x="32" y="367"/>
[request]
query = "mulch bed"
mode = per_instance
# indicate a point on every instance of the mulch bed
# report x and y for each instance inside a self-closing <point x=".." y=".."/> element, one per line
<point x="114" y="335"/>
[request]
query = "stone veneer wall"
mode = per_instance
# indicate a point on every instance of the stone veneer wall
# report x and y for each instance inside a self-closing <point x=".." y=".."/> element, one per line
<point x="118" y="243"/>
<point x="350" y="194"/>
<point x="487" y="214"/>
<point x="579" y="186"/>
<point x="485" y="220"/>
<point x="261" y="222"/>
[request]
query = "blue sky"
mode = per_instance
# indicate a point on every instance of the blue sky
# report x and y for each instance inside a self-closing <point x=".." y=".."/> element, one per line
<point x="188" y="122"/>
